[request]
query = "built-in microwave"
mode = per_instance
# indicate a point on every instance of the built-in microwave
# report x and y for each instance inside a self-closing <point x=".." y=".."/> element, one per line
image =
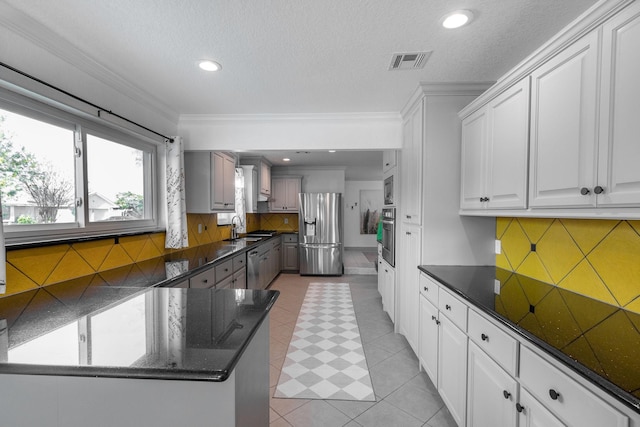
<point x="388" y="191"/>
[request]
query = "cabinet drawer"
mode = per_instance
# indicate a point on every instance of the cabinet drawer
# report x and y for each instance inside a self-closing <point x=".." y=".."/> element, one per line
<point x="567" y="399"/>
<point x="429" y="289"/>
<point x="453" y="308"/>
<point x="203" y="280"/>
<point x="224" y="270"/>
<point x="495" y="342"/>
<point x="239" y="261"/>
<point x="289" y="238"/>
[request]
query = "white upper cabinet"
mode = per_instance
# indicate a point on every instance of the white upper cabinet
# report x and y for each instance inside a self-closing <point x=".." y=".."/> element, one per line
<point x="619" y="150"/>
<point x="563" y="127"/>
<point x="411" y="182"/>
<point x="285" y="191"/>
<point x="495" y="152"/>
<point x="209" y="182"/>
<point x="389" y="159"/>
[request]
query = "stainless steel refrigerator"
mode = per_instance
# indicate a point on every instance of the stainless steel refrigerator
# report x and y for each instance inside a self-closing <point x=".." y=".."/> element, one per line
<point x="321" y="234"/>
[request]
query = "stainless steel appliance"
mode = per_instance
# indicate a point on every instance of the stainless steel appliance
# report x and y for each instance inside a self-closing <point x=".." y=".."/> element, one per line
<point x="388" y="191"/>
<point x="389" y="235"/>
<point x="253" y="269"/>
<point x="320" y="239"/>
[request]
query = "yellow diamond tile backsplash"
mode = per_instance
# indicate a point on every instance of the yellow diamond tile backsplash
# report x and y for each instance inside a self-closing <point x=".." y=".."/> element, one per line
<point x="596" y="258"/>
<point x="118" y="260"/>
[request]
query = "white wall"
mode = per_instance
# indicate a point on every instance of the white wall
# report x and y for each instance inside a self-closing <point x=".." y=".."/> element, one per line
<point x="352" y="236"/>
<point x="365" y="131"/>
<point x="316" y="180"/>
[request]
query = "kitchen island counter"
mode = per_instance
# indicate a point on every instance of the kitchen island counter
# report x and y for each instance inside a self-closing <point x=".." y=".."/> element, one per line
<point x="167" y="349"/>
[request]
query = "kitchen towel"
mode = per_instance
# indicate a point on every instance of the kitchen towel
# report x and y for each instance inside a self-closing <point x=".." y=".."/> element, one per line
<point x="325" y="359"/>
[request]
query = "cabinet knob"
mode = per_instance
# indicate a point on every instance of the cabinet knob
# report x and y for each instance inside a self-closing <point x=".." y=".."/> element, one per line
<point x="408" y="216"/>
<point x="426" y="289"/>
<point x="506" y="394"/>
<point x="448" y="307"/>
<point x="519" y="407"/>
<point x="433" y="317"/>
<point x="204" y="280"/>
<point x="554" y="394"/>
<point x="584" y="191"/>
<point x="598" y="190"/>
<point x="484" y="337"/>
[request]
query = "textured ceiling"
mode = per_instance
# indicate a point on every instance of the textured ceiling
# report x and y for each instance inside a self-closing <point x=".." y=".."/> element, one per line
<point x="297" y="56"/>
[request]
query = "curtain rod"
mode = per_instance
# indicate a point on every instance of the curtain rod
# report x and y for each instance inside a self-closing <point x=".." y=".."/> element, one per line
<point x="77" y="98"/>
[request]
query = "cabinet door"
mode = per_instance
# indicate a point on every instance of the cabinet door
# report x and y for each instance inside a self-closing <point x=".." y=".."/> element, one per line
<point x="410" y="243"/>
<point x="265" y="179"/>
<point x="508" y="146"/>
<point x="452" y="369"/>
<point x="390" y="291"/>
<point x="381" y="278"/>
<point x="532" y="414"/>
<point x="412" y="166"/>
<point x="229" y="179"/>
<point x="239" y="279"/>
<point x="277" y="201"/>
<point x="492" y="393"/>
<point x="217" y="184"/>
<point x="474" y="147"/>
<point x="429" y="326"/>
<point x="292" y="189"/>
<point x="225" y="284"/>
<point x="203" y="280"/>
<point x="618" y="171"/>
<point x="563" y="125"/>
<point x="388" y="160"/>
<point x="264" y="271"/>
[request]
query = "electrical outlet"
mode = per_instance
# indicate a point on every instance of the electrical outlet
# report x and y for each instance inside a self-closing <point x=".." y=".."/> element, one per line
<point x="199" y="228"/>
<point x="286" y="220"/>
<point x="498" y="247"/>
<point x="496" y="286"/>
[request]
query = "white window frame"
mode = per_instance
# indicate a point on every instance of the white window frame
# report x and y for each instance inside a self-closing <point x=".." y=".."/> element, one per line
<point x="82" y="124"/>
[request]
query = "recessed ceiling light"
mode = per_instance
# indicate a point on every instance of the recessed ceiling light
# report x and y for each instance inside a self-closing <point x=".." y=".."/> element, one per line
<point x="332" y="151"/>
<point x="208" y="65"/>
<point x="286" y="159"/>
<point x="457" y="19"/>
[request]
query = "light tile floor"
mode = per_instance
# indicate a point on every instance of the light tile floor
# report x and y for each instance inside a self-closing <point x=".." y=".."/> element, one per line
<point x="359" y="261"/>
<point x="404" y="395"/>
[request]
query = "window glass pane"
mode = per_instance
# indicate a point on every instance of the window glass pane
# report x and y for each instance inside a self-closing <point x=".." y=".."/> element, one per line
<point x="37" y="171"/>
<point x="122" y="327"/>
<point x="60" y="347"/>
<point x="116" y="181"/>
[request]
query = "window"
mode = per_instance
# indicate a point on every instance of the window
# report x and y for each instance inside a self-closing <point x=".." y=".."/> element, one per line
<point x="62" y="175"/>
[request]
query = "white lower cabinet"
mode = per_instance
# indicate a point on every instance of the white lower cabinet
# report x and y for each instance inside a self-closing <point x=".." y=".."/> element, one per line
<point x="489" y="376"/>
<point x="491" y="392"/>
<point x="532" y="414"/>
<point x="443" y="345"/>
<point x="452" y="369"/>
<point x="429" y="326"/>
<point x="387" y="287"/>
<point x="571" y="402"/>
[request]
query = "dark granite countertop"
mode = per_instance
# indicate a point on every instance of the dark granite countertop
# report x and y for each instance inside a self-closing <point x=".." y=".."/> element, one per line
<point x="120" y="332"/>
<point x="131" y="322"/>
<point x="599" y="341"/>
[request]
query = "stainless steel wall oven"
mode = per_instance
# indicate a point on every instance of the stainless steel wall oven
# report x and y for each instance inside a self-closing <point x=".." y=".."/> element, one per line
<point x="389" y="235"/>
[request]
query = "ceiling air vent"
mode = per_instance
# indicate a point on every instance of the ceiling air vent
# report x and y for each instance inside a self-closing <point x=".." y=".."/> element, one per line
<point x="409" y="61"/>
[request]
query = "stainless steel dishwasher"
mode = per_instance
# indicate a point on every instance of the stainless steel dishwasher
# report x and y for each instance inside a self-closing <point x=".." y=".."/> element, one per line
<point x="253" y="269"/>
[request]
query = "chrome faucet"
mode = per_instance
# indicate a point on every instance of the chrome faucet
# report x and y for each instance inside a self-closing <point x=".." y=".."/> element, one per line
<point x="234" y="229"/>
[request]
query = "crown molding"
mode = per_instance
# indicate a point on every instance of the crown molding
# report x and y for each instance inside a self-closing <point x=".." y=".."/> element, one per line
<point x="444" y="89"/>
<point x="33" y="31"/>
<point x="302" y="117"/>
<point x="587" y="22"/>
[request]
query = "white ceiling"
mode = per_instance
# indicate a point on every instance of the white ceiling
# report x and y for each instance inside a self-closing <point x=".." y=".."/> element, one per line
<point x="297" y="56"/>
